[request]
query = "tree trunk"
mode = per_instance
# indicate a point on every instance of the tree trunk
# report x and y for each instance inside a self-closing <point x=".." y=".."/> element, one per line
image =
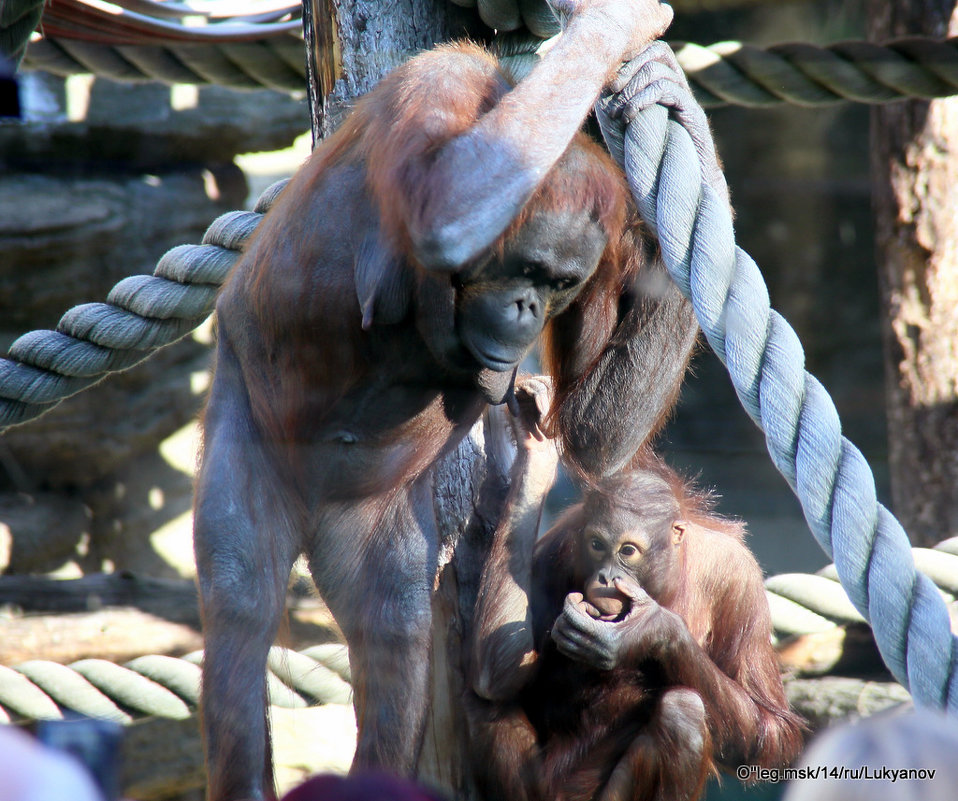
<point x="469" y="492"/>
<point x="351" y="44"/>
<point x="915" y="168"/>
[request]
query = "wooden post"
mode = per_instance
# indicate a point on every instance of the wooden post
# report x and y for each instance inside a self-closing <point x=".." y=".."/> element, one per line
<point x="351" y="44"/>
<point x="469" y="489"/>
<point x="322" y="59"/>
<point x="915" y="169"/>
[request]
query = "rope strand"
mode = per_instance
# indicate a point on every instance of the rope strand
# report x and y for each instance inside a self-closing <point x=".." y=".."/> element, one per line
<point x="765" y="361"/>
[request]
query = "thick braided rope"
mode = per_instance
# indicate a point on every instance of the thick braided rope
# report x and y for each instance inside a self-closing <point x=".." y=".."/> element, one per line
<point x="165" y="686"/>
<point x="141" y="313"/>
<point x="766" y="364"/>
<point x="275" y="62"/>
<point x="722" y="73"/>
<point x="808" y="75"/>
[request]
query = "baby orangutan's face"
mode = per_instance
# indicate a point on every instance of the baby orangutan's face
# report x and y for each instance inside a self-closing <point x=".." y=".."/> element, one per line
<point x="620" y="548"/>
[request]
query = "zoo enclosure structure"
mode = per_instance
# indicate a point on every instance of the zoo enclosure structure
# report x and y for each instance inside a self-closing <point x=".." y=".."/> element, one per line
<point x="873" y="559"/>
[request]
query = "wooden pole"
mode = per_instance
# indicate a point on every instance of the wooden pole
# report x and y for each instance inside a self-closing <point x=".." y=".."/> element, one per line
<point x="322" y="67"/>
<point x="352" y="44"/>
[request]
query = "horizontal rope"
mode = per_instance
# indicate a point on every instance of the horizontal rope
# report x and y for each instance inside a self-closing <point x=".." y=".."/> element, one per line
<point x="808" y="75"/>
<point x="272" y="64"/>
<point x="165" y="686"/>
<point x="162" y="686"/>
<point x="148" y="41"/>
<point x="725" y="73"/>
<point x="84" y="27"/>
<point x="169" y="687"/>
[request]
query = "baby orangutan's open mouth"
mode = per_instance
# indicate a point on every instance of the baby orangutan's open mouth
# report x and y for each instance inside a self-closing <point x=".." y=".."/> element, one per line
<point x="612" y="604"/>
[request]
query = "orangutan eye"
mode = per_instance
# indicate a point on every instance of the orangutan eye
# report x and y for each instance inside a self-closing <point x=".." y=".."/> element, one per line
<point x="628" y="551"/>
<point x="597" y="545"/>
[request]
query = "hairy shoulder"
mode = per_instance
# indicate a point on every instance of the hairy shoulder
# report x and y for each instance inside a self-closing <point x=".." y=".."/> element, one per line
<point x="435" y="96"/>
<point x="402" y="125"/>
<point x="457" y="76"/>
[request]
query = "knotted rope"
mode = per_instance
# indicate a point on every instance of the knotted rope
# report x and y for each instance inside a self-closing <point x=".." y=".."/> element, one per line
<point x="766" y="363"/>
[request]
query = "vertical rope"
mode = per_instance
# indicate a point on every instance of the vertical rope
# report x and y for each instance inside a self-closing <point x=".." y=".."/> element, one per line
<point x="766" y="363"/>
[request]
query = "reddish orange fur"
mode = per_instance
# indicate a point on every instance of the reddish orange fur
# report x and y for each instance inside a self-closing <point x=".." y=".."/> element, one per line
<point x="584" y="720"/>
<point x="426" y="104"/>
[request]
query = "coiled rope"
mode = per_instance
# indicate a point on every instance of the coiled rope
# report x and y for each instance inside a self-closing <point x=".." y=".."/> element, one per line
<point x="766" y="363"/>
<point x="164" y="686"/>
<point x="809" y="603"/>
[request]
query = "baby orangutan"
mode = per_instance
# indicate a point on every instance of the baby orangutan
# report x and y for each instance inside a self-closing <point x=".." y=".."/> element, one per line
<point x="627" y="652"/>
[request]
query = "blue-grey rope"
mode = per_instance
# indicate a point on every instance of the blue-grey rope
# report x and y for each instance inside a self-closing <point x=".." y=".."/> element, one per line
<point x="164" y="686"/>
<point x="804" y="74"/>
<point x="141" y="313"/>
<point x="803" y="433"/>
<point x="723" y="73"/>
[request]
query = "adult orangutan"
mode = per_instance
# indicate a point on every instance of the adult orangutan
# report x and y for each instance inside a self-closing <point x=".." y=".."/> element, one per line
<point x="386" y="298"/>
<point x="628" y="651"/>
